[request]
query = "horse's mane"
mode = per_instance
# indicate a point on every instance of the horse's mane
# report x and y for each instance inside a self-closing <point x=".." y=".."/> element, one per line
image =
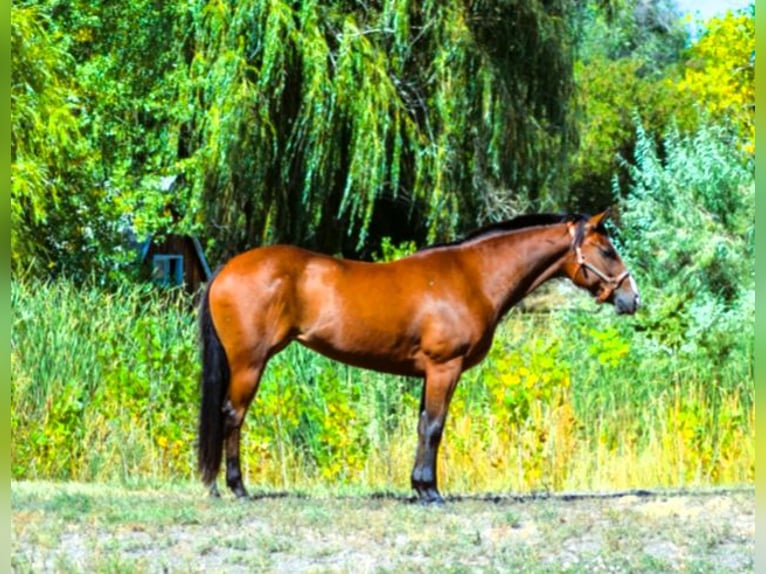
<point x="519" y="222"/>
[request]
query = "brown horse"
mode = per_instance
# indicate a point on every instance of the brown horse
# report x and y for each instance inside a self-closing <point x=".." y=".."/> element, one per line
<point x="431" y="315"/>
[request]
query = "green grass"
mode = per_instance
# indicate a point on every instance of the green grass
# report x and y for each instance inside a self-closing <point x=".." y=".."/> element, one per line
<point x="104" y="388"/>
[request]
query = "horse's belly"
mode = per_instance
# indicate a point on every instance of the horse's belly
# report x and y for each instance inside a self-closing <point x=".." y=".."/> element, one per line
<point x="393" y="359"/>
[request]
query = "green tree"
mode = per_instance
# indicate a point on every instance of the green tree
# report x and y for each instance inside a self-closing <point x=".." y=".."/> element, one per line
<point x="308" y="118"/>
<point x="638" y="57"/>
<point x="628" y="61"/>
<point x="720" y="72"/>
<point x="93" y="130"/>
<point x="46" y="144"/>
<point x="649" y="31"/>
<point x="284" y="121"/>
<point x="130" y="69"/>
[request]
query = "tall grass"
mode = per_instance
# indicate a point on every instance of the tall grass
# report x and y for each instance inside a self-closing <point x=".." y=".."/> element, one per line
<point x="104" y="388"/>
<point x="103" y="383"/>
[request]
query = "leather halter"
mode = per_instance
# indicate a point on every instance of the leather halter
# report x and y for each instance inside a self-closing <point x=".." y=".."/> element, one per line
<point x="612" y="283"/>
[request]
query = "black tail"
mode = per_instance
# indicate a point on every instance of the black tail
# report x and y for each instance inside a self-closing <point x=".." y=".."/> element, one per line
<point x="213" y="387"/>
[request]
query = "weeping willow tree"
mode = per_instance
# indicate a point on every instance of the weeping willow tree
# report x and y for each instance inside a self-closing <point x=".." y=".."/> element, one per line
<point x="325" y="124"/>
<point x="311" y="122"/>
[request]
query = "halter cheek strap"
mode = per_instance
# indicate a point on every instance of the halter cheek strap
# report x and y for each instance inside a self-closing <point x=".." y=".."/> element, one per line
<point x="613" y="283"/>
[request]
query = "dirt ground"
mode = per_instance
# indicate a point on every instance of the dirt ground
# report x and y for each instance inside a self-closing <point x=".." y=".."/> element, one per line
<point x="95" y="528"/>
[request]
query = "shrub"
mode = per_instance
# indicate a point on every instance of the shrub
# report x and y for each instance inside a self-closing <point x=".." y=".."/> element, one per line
<point x="688" y="226"/>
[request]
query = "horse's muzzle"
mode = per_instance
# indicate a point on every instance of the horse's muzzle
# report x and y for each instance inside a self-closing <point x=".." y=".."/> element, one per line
<point x="626" y="302"/>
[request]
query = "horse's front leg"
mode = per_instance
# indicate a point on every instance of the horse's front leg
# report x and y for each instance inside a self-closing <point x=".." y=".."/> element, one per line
<point x="438" y="386"/>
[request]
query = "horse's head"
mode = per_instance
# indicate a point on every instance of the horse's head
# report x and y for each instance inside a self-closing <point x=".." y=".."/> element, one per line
<point x="595" y="265"/>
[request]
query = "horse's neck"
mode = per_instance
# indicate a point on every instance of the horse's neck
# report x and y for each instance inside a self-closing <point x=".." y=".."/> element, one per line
<point x="515" y="264"/>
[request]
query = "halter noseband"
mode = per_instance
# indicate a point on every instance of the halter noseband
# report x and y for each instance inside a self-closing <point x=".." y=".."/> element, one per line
<point x="613" y="283"/>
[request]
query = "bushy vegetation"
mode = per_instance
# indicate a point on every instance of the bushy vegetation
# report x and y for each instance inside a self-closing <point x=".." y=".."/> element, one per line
<point x="102" y="381"/>
<point x="688" y="227"/>
<point x="335" y="125"/>
<point x="638" y="59"/>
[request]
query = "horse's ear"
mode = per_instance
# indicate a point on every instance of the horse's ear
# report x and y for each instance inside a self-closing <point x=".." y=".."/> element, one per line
<point x="598" y="220"/>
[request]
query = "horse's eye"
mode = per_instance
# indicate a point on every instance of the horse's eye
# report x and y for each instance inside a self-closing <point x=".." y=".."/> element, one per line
<point x="608" y="252"/>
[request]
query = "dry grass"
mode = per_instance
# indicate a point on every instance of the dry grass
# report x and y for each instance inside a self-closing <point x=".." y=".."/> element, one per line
<point x="96" y="528"/>
<point x="548" y="453"/>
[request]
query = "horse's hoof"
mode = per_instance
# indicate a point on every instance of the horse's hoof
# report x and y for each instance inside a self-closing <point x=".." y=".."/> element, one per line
<point x="431" y="497"/>
<point x="240" y="492"/>
<point x="213" y="491"/>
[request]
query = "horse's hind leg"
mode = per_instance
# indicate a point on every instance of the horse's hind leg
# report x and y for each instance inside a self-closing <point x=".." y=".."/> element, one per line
<point x="244" y="385"/>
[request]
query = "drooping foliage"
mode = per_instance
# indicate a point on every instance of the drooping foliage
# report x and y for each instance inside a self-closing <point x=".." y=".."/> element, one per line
<point x="333" y="125"/>
<point x="438" y="113"/>
<point x="282" y="121"/>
